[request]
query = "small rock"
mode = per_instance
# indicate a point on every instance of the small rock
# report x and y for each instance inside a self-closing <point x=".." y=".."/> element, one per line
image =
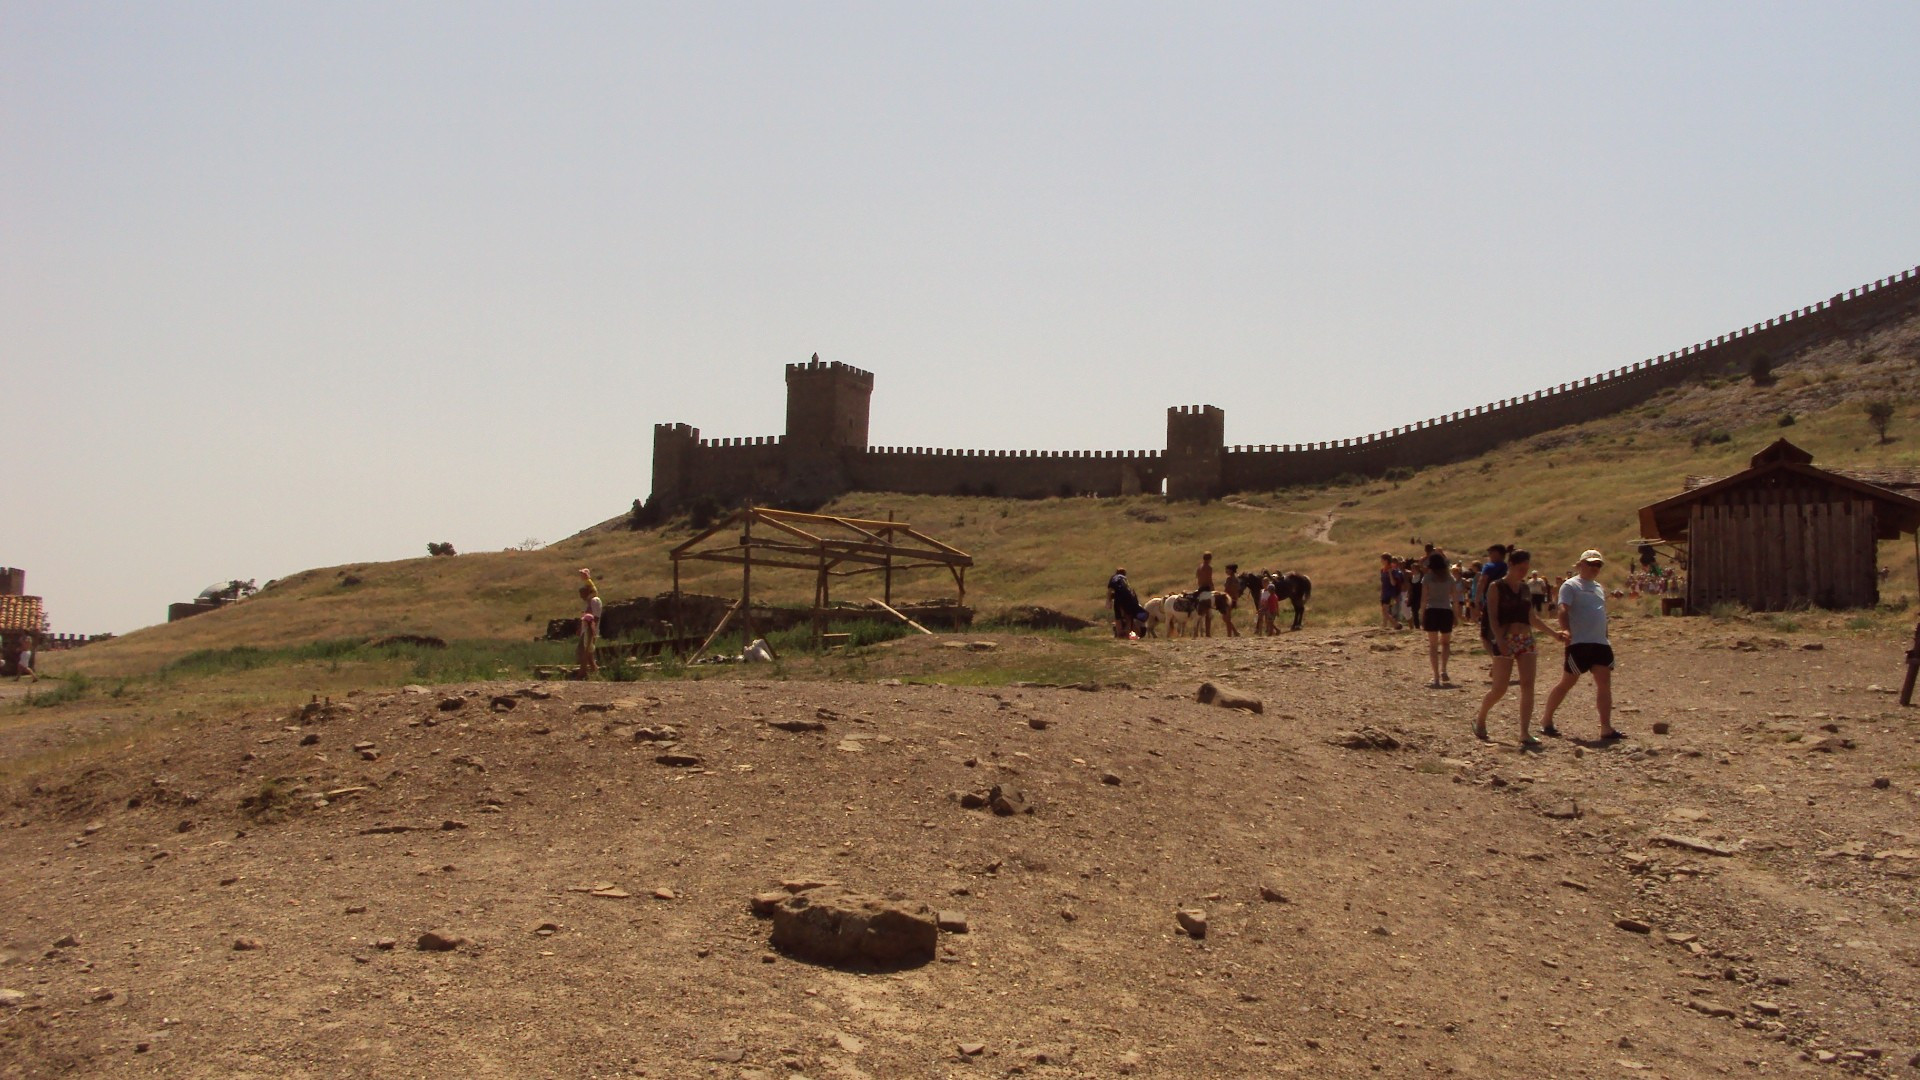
<point x="503" y="703"/>
<point x="1037" y="723"/>
<point x="972" y="800"/>
<point x="677" y="760"/>
<point x="1365" y="738"/>
<point x="1766" y="1008"/>
<point x="1111" y="779"/>
<point x="369" y="755"/>
<point x="386" y="944"/>
<point x="246" y="944"/>
<point x="435" y="941"/>
<point x="762" y="904"/>
<point x="1008" y="803"/>
<point x="664" y="893"/>
<point x="1228" y="698"/>
<point x="1570" y="883"/>
<point x="1881" y="783"/>
<point x="452" y="703"/>
<point x="311" y="738"/>
<point x="1633" y="926"/>
<point x="663" y="733"/>
<point x="1565" y="811"/>
<point x="547" y="929"/>
<point x="1710" y="1009"/>
<point x="1661" y="727"/>
<point x="1192" y="920"/>
<point x="798" y="725"/>
<point x="971" y="1049"/>
<point x="951" y="922"/>
<point x="1272" y="895"/>
<point x="452" y="825"/>
<point x="13" y="999"/>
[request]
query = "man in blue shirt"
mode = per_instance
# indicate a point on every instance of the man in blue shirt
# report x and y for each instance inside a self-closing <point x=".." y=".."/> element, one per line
<point x="1583" y="615"/>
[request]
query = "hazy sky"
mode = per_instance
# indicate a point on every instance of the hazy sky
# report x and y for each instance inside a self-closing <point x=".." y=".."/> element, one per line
<point x="288" y="285"/>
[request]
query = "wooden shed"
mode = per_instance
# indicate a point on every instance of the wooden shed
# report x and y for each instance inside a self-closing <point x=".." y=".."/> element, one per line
<point x="1783" y="534"/>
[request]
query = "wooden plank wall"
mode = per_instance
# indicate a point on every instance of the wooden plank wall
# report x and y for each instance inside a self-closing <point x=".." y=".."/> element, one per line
<point x="1775" y="549"/>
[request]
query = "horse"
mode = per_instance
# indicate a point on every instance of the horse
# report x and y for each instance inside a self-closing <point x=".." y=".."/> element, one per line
<point x="1182" y="610"/>
<point x="1294" y="588"/>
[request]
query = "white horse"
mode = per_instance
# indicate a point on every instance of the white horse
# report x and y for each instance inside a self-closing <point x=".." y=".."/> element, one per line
<point x="1180" y="611"/>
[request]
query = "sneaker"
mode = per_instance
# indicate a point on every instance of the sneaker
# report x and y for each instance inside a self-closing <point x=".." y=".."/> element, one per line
<point x="1550" y="731"/>
<point x="1613" y="736"/>
<point x="1434" y="685"/>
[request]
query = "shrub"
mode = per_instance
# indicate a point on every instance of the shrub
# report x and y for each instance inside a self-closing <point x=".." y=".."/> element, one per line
<point x="1760" y="370"/>
<point x="1879" y="415"/>
<point x="1786" y="420"/>
<point x="702" y="511"/>
<point x="1399" y="473"/>
<point x="1710" y="436"/>
<point x="440" y="549"/>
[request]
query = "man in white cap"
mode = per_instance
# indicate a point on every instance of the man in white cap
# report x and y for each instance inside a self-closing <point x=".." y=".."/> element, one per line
<point x="1583" y="615"/>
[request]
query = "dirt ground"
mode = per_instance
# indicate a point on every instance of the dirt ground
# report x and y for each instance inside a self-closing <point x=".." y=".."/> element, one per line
<point x="1736" y="897"/>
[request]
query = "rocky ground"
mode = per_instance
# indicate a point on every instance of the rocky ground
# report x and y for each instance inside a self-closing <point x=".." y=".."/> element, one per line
<point x="1380" y="893"/>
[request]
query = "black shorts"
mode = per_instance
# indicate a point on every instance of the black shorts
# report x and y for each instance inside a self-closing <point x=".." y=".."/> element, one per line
<point x="1585" y="657"/>
<point x="1437" y="620"/>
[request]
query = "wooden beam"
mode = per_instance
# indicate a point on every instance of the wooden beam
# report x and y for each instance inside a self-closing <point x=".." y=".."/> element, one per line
<point x="721" y="625"/>
<point x="899" y="616"/>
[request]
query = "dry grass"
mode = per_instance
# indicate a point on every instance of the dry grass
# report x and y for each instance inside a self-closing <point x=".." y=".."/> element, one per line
<point x="1556" y="494"/>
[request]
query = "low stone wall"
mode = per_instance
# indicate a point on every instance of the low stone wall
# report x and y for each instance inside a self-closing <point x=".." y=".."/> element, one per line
<point x="651" y="616"/>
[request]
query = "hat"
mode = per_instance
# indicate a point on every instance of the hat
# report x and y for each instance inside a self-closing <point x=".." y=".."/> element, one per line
<point x="1592" y="556"/>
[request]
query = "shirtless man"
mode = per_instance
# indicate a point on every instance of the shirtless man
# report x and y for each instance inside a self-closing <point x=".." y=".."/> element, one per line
<point x="1203" y="578"/>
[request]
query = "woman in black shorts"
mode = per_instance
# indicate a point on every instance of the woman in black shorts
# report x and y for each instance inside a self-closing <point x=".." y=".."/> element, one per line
<point x="1439" y="606"/>
<point x="1511" y="621"/>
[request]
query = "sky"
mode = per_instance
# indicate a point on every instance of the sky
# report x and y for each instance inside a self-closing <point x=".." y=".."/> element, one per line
<point x="301" y="284"/>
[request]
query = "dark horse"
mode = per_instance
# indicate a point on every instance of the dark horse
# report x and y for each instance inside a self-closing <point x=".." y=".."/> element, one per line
<point x="1294" y="588"/>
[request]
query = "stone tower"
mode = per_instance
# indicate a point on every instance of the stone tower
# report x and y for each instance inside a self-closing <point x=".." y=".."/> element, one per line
<point x="827" y="406"/>
<point x="1196" y="445"/>
<point x="674" y="447"/>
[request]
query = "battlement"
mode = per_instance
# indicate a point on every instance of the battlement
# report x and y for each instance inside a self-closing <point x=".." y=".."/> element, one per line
<point x="825" y="451"/>
<point x="817" y="368"/>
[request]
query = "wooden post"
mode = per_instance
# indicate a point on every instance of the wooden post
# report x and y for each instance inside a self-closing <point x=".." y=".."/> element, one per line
<point x="746" y="581"/>
<point x="1913" y="654"/>
<point x="887" y="593"/>
<point x="820" y="607"/>
<point x="673" y="605"/>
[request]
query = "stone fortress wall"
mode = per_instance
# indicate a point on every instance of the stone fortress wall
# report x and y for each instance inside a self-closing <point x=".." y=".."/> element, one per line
<point x="825" y="451"/>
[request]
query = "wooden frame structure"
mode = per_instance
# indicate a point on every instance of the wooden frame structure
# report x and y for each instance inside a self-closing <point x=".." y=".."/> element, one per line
<point x="1782" y="534"/>
<point x="827" y="545"/>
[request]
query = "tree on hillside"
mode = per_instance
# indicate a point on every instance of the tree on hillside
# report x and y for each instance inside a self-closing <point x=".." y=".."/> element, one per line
<point x="1879" y="415"/>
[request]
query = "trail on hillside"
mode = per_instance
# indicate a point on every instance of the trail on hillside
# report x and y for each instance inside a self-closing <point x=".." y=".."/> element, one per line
<point x="1321" y="531"/>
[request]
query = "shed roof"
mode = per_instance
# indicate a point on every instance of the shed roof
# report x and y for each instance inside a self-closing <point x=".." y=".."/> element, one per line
<point x="1782" y="461"/>
<point x="21" y="613"/>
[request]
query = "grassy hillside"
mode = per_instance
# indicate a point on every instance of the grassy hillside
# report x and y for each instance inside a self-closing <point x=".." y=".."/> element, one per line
<point x="1556" y="493"/>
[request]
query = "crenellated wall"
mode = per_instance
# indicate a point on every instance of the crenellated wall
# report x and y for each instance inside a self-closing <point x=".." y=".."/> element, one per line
<point x="824" y="451"/>
<point x="1020" y="474"/>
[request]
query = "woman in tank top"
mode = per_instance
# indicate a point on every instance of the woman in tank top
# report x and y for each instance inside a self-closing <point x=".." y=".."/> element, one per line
<point x="1511" y="621"/>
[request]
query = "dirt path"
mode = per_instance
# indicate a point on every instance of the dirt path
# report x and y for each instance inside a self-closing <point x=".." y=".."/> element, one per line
<point x="1446" y="905"/>
<point x="1321" y="531"/>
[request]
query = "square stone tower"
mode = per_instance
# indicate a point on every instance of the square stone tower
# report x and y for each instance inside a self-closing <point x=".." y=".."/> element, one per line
<point x="1196" y="447"/>
<point x="827" y="406"/>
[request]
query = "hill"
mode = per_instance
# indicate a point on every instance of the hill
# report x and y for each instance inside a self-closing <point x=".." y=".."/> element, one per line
<point x="1557" y="493"/>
